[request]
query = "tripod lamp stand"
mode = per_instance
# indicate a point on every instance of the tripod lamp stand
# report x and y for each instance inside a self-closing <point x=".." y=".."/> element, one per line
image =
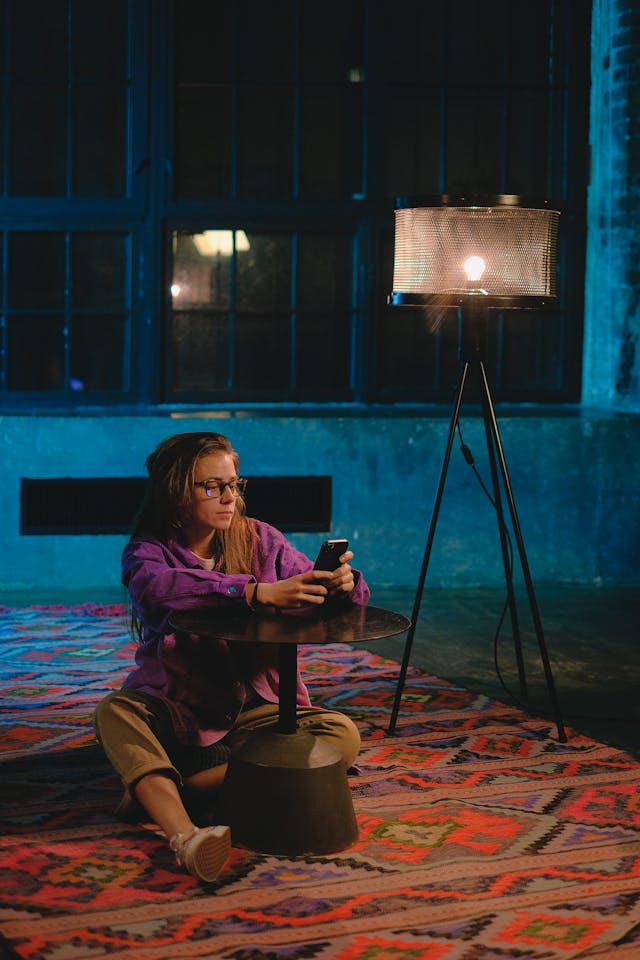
<point x="478" y="254"/>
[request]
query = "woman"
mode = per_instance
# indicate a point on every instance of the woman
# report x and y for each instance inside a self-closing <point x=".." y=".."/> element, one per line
<point x="190" y="702"/>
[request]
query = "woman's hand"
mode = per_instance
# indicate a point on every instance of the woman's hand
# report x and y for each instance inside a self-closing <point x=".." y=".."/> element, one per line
<point x="298" y="591"/>
<point x="312" y="587"/>
<point x="342" y="580"/>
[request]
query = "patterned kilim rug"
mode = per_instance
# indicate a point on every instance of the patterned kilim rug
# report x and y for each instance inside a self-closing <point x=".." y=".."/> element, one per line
<point x="481" y="837"/>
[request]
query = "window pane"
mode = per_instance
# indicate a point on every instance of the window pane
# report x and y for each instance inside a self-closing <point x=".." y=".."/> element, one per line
<point x="202" y="268"/>
<point x="323" y="352"/>
<point x="531" y="352"/>
<point x="529" y="44"/>
<point x="199" y="342"/>
<point x="324" y="319"/>
<point x="262" y="371"/>
<point x="98" y="270"/>
<point x="407" y="350"/>
<point x="416" y="54"/>
<point x="100" y="39"/>
<point x="35" y="346"/>
<point x="99" y="139"/>
<point x="474" y="142"/>
<point x="331" y="142"/>
<point x="203" y="31"/>
<point x="477" y="43"/>
<point x="265" y="142"/>
<point x="202" y="145"/>
<point x="267" y="51"/>
<point x="263" y="273"/>
<point x="332" y="41"/>
<point x="527" y="147"/>
<point x="412" y="154"/>
<point x="324" y="272"/>
<point x="96" y="354"/>
<point x="39" y="40"/>
<point x="36" y="270"/>
<point x="39" y="129"/>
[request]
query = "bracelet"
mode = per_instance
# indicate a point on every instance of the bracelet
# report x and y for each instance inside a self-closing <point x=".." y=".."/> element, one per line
<point x="254" y="599"/>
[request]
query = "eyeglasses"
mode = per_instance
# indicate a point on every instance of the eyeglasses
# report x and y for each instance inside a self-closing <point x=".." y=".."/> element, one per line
<point x="216" y="488"/>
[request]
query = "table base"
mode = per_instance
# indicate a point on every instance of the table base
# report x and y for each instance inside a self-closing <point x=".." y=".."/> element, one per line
<point x="288" y="793"/>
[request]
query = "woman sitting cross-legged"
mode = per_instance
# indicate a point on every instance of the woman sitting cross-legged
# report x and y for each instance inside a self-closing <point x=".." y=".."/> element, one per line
<point x="190" y="702"/>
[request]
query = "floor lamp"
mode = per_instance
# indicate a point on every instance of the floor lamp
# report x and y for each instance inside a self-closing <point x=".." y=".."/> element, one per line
<point x="478" y="254"/>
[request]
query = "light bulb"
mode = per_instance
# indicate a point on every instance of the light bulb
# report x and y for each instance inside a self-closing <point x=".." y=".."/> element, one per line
<point x="474" y="267"/>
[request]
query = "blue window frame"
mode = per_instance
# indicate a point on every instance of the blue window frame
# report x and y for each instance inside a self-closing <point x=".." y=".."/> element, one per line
<point x="131" y="131"/>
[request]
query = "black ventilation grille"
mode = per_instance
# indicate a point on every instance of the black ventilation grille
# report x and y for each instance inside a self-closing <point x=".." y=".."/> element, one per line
<point x="109" y="504"/>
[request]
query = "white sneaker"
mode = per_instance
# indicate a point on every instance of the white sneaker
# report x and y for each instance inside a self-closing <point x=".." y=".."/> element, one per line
<point x="204" y="852"/>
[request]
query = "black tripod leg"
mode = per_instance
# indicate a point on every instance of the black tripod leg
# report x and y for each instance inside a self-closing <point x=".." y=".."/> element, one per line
<point x="427" y="552"/>
<point x="535" y="612"/>
<point x="492" y="442"/>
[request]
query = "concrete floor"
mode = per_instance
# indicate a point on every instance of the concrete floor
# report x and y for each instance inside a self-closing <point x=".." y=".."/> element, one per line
<point x="592" y="636"/>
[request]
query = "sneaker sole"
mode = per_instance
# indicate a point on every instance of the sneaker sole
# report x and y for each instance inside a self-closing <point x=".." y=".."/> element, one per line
<point x="210" y="855"/>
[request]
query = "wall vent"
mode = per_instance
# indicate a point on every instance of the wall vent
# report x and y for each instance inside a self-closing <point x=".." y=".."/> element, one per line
<point x="65" y="505"/>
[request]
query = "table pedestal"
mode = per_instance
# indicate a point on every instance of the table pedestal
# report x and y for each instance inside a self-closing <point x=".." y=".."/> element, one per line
<point x="286" y="790"/>
<point x="288" y="793"/>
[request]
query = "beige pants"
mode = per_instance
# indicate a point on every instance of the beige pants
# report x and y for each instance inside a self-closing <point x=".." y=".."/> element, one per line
<point x="137" y="736"/>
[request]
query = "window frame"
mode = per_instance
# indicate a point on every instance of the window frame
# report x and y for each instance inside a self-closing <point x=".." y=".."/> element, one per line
<point x="149" y="213"/>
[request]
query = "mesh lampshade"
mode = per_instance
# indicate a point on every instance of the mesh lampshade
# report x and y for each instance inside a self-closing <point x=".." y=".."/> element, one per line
<point x="436" y="237"/>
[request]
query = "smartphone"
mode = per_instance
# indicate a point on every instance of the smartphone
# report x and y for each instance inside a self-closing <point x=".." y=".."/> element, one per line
<point x="329" y="554"/>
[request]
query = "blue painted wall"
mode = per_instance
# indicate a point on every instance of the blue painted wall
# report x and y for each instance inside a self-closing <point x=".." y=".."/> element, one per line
<point x="574" y="472"/>
<point x="576" y="492"/>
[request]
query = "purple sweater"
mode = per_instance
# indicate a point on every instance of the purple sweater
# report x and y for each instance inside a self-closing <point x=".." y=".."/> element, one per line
<point x="205" y="682"/>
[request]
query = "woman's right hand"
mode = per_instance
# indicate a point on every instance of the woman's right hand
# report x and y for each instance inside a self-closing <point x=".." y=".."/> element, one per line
<point x="298" y="591"/>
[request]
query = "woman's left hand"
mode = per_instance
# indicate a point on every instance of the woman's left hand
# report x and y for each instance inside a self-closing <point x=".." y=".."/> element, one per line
<point x="343" y="580"/>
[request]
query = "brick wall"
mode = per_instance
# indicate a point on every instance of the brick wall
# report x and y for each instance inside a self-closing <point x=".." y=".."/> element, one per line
<point x="611" y="376"/>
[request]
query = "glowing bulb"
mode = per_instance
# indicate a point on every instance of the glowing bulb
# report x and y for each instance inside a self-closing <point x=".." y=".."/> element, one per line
<point x="213" y="242"/>
<point x="175" y="289"/>
<point x="474" y="267"/>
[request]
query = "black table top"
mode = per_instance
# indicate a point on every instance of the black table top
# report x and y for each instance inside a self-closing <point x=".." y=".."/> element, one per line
<point x="350" y="624"/>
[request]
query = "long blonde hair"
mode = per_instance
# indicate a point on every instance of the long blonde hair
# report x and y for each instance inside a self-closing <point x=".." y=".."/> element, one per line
<point x="169" y="496"/>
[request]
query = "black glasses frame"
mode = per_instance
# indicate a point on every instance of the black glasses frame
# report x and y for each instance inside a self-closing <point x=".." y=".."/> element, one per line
<point x="236" y="487"/>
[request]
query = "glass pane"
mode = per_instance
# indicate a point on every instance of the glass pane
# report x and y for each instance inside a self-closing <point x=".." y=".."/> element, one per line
<point x="96" y="355"/>
<point x="100" y="39"/>
<point x="532" y="350"/>
<point x="262" y="355"/>
<point x="98" y="270"/>
<point x="527" y="147"/>
<point x="332" y="41"/>
<point x="266" y="46"/>
<point x="38" y="130"/>
<point x="265" y="142"/>
<point x="99" y="141"/>
<point x="412" y="154"/>
<point x="323" y="356"/>
<point x="202" y="268"/>
<point x="202" y="144"/>
<point x="419" y="34"/>
<point x="407" y="351"/>
<point x="529" y="43"/>
<point x="331" y="142"/>
<point x="474" y="142"/>
<point x="39" y="40"/>
<point x="263" y="273"/>
<point x="36" y="270"/>
<point x="35" y="347"/>
<point x="203" y="47"/>
<point x="199" y="350"/>
<point x="324" y="272"/>
<point x="477" y="44"/>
